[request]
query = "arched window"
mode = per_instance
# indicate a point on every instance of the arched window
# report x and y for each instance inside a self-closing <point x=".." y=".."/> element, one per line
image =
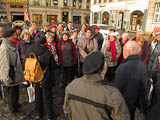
<point x="65" y="2"/>
<point x="105" y="18"/>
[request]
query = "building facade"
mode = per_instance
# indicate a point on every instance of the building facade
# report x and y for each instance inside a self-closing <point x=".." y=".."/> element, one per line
<point x="59" y="11"/>
<point x="122" y="14"/>
<point x="15" y="9"/>
<point x="3" y="12"/>
<point x="153" y="16"/>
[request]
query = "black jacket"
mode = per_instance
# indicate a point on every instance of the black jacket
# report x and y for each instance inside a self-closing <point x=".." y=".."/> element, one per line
<point x="45" y="59"/>
<point x="128" y="79"/>
<point x="100" y="39"/>
<point x="153" y="113"/>
<point x="22" y="47"/>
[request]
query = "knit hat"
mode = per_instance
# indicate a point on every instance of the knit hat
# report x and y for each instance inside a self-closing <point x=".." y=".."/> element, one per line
<point x="113" y="34"/>
<point x="96" y="27"/>
<point x="53" y="26"/>
<point x="46" y="24"/>
<point x="65" y="32"/>
<point x="93" y="63"/>
<point x="112" y="28"/>
<point x="8" y="33"/>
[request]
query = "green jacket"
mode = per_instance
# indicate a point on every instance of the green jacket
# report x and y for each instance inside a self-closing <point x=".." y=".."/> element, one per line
<point x="87" y="97"/>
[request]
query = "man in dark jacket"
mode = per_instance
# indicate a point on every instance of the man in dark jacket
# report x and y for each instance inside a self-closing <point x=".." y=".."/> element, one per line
<point x="46" y="59"/>
<point x="129" y="75"/>
<point x="99" y="37"/>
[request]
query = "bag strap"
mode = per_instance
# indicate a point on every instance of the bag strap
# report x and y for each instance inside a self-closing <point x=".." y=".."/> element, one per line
<point x="107" y="108"/>
<point x="15" y="66"/>
<point x="45" y="69"/>
<point x="32" y="54"/>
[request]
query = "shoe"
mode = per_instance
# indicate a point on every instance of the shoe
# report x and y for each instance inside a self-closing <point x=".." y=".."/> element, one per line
<point x="38" y="117"/>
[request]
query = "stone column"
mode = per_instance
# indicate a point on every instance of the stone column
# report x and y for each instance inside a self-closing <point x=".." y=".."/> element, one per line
<point x="31" y="2"/>
<point x="60" y="16"/>
<point x="83" y="18"/>
<point x="84" y="4"/>
<point x="77" y="4"/>
<point x="43" y="2"/>
<point x="61" y="3"/>
<point x="70" y="3"/>
<point x="31" y="16"/>
<point x="70" y="16"/>
<point x="44" y="17"/>
<point x="51" y="2"/>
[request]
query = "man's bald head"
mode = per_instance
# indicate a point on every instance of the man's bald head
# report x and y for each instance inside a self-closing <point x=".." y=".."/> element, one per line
<point x="131" y="48"/>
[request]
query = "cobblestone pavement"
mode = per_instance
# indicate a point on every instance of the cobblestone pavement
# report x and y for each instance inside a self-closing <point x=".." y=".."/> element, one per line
<point x="27" y="110"/>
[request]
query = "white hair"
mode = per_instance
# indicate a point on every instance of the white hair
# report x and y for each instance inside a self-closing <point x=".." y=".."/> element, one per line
<point x="25" y="31"/>
<point x="49" y="34"/>
<point x="133" y="47"/>
<point x="125" y="34"/>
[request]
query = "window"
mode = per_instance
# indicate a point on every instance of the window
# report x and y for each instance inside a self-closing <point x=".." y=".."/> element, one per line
<point x="48" y="3"/>
<point x="74" y="3"/>
<point x="52" y="19"/>
<point x="105" y="1"/>
<point x="16" y="6"/>
<point x="36" y="3"/>
<point x="37" y="19"/>
<point x="55" y="2"/>
<point x="105" y="18"/>
<point x="157" y="13"/>
<point x="110" y="0"/>
<point x="100" y="1"/>
<point x="80" y="3"/>
<point x="87" y="19"/>
<point x="76" y="19"/>
<point x="88" y="4"/>
<point x="95" y="1"/>
<point x="65" y="2"/>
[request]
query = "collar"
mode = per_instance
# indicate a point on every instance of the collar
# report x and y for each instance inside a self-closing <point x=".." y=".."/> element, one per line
<point x="92" y="78"/>
<point x="131" y="57"/>
<point x="9" y="44"/>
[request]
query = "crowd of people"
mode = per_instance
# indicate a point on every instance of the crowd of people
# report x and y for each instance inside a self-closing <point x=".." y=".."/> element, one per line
<point x="102" y="78"/>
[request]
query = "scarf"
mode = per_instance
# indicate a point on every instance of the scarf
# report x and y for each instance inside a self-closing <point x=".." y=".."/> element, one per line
<point x="59" y="50"/>
<point x="53" y="51"/>
<point x="112" y="48"/>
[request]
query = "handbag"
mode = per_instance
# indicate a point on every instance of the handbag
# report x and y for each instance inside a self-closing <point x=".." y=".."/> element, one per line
<point x="31" y="93"/>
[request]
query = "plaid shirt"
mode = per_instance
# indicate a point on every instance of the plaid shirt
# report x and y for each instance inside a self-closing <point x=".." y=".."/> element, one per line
<point x="108" y="54"/>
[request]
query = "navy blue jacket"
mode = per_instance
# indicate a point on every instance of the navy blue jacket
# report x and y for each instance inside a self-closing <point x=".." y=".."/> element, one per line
<point x="128" y="79"/>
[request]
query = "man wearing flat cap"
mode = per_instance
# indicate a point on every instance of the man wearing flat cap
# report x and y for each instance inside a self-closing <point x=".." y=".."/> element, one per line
<point x="89" y="98"/>
<point x="11" y="72"/>
<point x="98" y="36"/>
<point x="153" y="59"/>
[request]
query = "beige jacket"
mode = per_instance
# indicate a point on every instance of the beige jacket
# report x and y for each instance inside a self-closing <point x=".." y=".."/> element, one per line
<point x="91" y="45"/>
<point x="91" y="88"/>
<point x="108" y="54"/>
<point x="8" y="58"/>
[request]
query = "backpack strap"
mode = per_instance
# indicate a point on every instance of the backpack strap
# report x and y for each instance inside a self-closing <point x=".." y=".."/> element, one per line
<point x="45" y="69"/>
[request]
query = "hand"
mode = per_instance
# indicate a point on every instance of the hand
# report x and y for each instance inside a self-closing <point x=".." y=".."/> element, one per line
<point x="159" y="59"/>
